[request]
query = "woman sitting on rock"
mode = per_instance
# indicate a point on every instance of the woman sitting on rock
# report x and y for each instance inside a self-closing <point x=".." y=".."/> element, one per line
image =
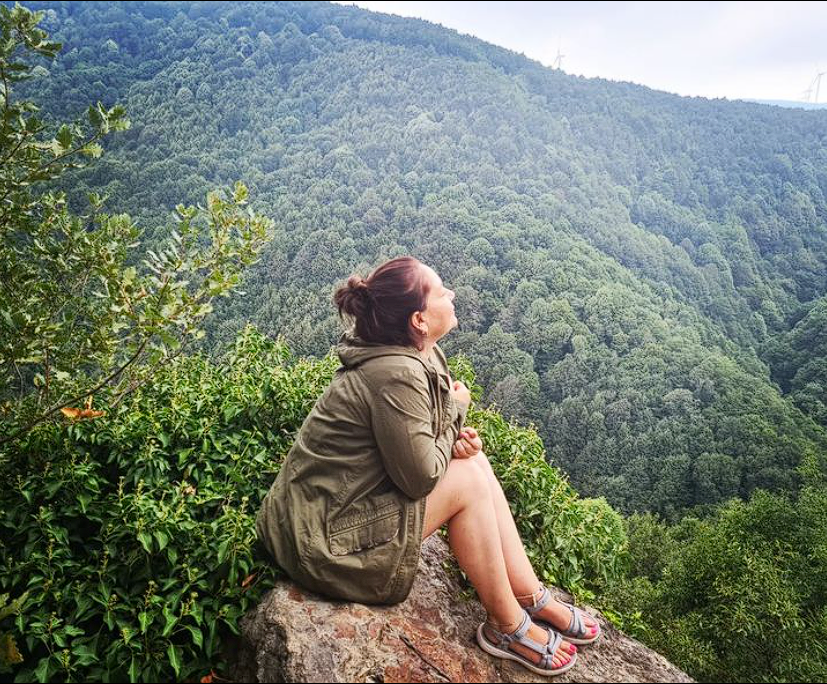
<point x="383" y="461"/>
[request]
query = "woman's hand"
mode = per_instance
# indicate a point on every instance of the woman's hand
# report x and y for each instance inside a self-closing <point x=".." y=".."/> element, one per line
<point x="468" y="443"/>
<point x="460" y="393"/>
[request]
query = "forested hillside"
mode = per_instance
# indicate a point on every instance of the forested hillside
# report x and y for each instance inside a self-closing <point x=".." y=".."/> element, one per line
<point x="629" y="265"/>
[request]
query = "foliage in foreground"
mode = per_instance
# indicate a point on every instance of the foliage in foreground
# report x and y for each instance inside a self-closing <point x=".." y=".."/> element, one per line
<point x="737" y="595"/>
<point x="77" y="311"/>
<point x="130" y="538"/>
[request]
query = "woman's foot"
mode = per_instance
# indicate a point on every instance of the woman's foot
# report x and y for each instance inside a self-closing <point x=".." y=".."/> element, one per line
<point x="558" y="615"/>
<point x="562" y="655"/>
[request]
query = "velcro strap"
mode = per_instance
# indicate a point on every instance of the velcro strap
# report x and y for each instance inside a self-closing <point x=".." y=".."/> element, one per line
<point x="576" y="627"/>
<point x="554" y="641"/>
<point x="522" y="630"/>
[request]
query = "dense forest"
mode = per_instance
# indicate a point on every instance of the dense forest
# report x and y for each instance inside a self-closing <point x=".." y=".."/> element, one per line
<point x="639" y="276"/>
<point x="636" y="273"/>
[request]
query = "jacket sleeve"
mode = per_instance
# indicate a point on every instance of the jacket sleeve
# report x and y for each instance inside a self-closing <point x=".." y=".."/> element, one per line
<point x="414" y="457"/>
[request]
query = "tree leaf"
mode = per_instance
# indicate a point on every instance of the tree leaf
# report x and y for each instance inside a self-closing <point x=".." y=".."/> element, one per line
<point x="174" y="655"/>
<point x="146" y="541"/>
<point x="64" y="137"/>
<point x="197" y="636"/>
<point x="171" y="620"/>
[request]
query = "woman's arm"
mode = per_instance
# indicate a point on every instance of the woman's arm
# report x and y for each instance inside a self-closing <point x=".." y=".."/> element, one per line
<point x="414" y="457"/>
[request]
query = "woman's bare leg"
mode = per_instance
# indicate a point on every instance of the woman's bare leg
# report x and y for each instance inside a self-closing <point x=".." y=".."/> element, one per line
<point x="464" y="500"/>
<point x="523" y="580"/>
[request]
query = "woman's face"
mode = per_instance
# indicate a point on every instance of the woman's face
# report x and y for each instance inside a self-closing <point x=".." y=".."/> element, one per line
<point x="438" y="316"/>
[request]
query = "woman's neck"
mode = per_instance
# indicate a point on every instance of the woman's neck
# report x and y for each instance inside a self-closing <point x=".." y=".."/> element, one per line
<point x="427" y="350"/>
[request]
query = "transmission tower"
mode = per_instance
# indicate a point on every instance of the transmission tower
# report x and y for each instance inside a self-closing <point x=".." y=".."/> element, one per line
<point x="815" y="84"/>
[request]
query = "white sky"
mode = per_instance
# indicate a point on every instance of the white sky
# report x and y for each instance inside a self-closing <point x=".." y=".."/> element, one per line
<point x="750" y="50"/>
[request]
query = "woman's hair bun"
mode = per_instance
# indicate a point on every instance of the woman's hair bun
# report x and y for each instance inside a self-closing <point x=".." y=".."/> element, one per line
<point x="358" y="284"/>
<point x="354" y="297"/>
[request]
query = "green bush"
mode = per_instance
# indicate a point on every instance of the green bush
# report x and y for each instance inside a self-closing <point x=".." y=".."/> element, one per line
<point x="737" y="596"/>
<point x="133" y="534"/>
<point x="75" y="316"/>
<point x="130" y="538"/>
<point x="575" y="543"/>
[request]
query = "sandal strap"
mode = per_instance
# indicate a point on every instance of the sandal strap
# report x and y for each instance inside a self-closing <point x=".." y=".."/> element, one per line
<point x="520" y="636"/>
<point x="576" y="628"/>
<point x="506" y="638"/>
<point x="541" y="602"/>
<point x="554" y="641"/>
<point x="547" y="663"/>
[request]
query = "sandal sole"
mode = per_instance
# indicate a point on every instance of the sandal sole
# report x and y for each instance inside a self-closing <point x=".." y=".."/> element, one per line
<point x="489" y="648"/>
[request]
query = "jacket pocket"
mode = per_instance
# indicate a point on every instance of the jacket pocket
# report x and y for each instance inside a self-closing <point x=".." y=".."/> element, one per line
<point x="359" y="533"/>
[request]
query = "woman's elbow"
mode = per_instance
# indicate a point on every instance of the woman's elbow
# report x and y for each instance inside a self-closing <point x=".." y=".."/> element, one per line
<point x="419" y="486"/>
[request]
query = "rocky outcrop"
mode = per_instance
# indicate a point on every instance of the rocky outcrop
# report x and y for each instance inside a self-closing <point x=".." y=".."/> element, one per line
<point x="296" y="636"/>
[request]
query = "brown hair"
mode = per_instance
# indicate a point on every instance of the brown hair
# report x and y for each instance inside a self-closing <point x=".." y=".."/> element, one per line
<point x="381" y="304"/>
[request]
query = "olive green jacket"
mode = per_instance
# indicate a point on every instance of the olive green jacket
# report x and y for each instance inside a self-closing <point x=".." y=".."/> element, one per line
<point x="345" y="515"/>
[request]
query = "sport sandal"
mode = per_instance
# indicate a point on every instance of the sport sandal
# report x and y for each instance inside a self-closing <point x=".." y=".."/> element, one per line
<point x="577" y="632"/>
<point x="520" y="636"/>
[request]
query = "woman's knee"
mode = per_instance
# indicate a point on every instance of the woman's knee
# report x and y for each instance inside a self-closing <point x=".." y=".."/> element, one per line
<point x="481" y="461"/>
<point x="463" y="486"/>
<point x="471" y="476"/>
<point x="484" y="466"/>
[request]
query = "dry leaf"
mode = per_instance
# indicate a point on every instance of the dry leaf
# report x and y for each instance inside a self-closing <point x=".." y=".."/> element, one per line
<point x="77" y="414"/>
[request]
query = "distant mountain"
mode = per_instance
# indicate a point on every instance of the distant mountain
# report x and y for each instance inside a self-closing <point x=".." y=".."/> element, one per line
<point x="791" y="104"/>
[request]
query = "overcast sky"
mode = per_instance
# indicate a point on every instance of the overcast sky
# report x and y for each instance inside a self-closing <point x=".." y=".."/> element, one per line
<point x="750" y="50"/>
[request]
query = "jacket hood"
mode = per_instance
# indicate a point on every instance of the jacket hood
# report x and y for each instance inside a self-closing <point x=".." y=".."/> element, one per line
<point x="354" y="351"/>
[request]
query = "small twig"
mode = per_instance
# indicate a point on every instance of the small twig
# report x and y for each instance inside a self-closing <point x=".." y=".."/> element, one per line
<point x="5" y="91"/>
<point x="22" y="384"/>
<point x="15" y="148"/>
<point x="48" y="374"/>
<point x="405" y="640"/>
<point x="67" y="153"/>
<point x="150" y="373"/>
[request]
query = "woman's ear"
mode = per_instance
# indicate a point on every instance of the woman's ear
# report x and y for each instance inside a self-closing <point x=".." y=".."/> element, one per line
<point x="419" y="323"/>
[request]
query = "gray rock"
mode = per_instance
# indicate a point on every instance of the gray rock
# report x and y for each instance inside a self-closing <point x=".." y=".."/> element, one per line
<point x="296" y="636"/>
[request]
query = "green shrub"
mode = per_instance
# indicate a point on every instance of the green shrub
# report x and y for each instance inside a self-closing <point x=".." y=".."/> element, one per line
<point x="133" y="534"/>
<point x="129" y="539"/>
<point x="738" y="596"/>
